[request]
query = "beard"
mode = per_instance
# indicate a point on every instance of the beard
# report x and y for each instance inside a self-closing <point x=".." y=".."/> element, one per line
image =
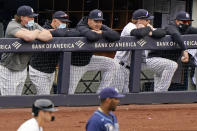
<point x="112" y="106"/>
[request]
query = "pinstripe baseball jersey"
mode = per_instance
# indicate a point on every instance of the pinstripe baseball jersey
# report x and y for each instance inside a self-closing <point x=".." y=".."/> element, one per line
<point x="102" y="122"/>
<point x="125" y="56"/>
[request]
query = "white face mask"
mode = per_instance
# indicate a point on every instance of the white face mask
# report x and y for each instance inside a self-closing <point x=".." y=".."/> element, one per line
<point x="30" y="23"/>
<point x="61" y="26"/>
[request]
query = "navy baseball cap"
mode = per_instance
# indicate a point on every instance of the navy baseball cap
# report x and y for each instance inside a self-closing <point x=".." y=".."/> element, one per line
<point x="96" y="15"/>
<point x="26" y="11"/>
<point x="109" y="92"/>
<point x="142" y="14"/>
<point x="62" y="16"/>
<point x="182" y="15"/>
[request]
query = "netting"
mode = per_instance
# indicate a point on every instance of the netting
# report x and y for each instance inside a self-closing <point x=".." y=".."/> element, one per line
<point x="41" y="75"/>
<point x="182" y="78"/>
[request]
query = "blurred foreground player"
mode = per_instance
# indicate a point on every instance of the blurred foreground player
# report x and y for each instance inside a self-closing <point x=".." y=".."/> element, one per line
<point x="42" y="110"/>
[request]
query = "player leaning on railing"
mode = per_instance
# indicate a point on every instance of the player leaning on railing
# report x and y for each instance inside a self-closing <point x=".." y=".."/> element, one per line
<point x="93" y="29"/>
<point x="163" y="68"/>
<point x="13" y="66"/>
<point x="43" y="65"/>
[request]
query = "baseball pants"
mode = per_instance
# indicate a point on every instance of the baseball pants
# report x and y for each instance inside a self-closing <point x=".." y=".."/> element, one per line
<point x="12" y="82"/>
<point x="164" y="70"/>
<point x="42" y="81"/>
<point x="107" y="65"/>
<point x="121" y="81"/>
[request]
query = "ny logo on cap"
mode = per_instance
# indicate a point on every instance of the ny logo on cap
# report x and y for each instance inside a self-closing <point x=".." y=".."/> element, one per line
<point x="32" y="10"/>
<point x="99" y="14"/>
<point x="147" y="13"/>
<point x="187" y="15"/>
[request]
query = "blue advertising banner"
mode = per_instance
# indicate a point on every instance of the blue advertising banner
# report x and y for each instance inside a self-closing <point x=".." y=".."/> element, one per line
<point x="81" y="44"/>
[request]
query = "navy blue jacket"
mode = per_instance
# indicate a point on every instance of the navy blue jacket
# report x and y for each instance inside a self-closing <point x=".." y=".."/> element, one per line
<point x="175" y="33"/>
<point x="107" y="34"/>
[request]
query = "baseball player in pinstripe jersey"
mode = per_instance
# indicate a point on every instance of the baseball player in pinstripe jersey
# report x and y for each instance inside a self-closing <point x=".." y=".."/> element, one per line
<point x="103" y="119"/>
<point x="43" y="65"/>
<point x="13" y="66"/>
<point x="182" y="26"/>
<point x="163" y="68"/>
<point x="93" y="29"/>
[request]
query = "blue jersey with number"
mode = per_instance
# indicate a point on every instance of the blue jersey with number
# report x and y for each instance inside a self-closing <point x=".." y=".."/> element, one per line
<point x="102" y="122"/>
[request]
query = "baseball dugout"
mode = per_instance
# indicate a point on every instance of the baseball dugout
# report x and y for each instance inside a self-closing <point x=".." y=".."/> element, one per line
<point x="80" y="44"/>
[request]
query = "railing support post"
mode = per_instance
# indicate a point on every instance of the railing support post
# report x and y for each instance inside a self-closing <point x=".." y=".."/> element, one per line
<point x="64" y="73"/>
<point x="135" y="70"/>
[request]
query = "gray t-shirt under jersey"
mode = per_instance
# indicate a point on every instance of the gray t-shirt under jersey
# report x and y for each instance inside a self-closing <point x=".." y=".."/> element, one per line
<point x="16" y="61"/>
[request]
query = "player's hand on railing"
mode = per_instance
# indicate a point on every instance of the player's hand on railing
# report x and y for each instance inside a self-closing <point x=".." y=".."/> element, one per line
<point x="185" y="56"/>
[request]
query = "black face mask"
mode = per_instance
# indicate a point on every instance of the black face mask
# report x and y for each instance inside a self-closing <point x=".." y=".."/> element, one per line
<point x="183" y="27"/>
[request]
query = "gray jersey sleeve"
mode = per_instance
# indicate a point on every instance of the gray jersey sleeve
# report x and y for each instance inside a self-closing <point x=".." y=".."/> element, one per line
<point x="12" y="28"/>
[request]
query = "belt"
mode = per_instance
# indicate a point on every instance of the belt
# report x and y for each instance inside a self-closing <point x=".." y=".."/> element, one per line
<point x="123" y="64"/>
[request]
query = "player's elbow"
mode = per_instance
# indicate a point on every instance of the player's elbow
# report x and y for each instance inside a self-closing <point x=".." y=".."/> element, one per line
<point x="46" y="37"/>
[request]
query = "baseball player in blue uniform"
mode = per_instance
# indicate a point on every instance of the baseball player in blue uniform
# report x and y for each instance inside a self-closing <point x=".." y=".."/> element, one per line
<point x="103" y="119"/>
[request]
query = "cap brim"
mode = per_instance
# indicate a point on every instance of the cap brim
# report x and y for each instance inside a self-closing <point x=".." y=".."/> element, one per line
<point x="64" y="20"/>
<point x="33" y="15"/>
<point x="99" y="19"/>
<point x="184" y="19"/>
<point x="120" y="96"/>
<point x="51" y="109"/>
<point x="150" y="18"/>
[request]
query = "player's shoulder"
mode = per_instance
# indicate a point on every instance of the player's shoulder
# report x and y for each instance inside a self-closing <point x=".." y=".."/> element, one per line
<point x="95" y="121"/>
<point x="126" y="30"/>
<point x="30" y="125"/>
<point x="101" y="117"/>
<point x="97" y="117"/>
<point x="13" y="24"/>
<point x="130" y="25"/>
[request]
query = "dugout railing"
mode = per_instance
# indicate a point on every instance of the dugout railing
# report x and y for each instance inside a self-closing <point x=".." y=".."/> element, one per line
<point x="68" y="45"/>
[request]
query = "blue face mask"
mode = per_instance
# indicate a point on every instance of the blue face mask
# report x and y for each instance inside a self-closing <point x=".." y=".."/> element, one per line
<point x="61" y="26"/>
<point x="30" y="23"/>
